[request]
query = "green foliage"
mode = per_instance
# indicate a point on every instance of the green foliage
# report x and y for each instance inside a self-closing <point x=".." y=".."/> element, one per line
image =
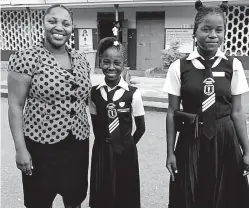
<point x="171" y="54"/>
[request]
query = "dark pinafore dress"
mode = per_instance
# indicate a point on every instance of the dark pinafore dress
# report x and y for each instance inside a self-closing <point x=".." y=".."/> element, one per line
<point x="209" y="171"/>
<point x="114" y="177"/>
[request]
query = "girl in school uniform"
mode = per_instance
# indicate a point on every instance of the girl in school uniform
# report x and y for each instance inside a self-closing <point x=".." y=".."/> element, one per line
<point x="208" y="170"/>
<point x="114" y="169"/>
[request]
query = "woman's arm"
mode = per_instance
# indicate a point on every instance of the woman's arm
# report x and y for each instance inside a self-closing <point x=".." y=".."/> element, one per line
<point x="140" y="128"/>
<point x="94" y="124"/>
<point x="239" y="120"/>
<point x="174" y="104"/>
<point x="18" y="88"/>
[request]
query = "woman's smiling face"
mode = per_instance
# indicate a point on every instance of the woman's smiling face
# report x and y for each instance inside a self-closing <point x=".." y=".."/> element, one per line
<point x="58" y="26"/>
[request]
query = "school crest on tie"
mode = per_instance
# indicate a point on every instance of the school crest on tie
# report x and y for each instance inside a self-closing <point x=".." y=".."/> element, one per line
<point x="111" y="110"/>
<point x="121" y="104"/>
<point x="209" y="86"/>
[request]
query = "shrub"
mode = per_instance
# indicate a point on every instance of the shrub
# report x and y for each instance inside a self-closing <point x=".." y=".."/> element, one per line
<point x="171" y="54"/>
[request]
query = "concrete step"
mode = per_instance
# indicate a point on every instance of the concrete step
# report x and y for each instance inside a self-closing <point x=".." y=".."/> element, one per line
<point x="155" y="106"/>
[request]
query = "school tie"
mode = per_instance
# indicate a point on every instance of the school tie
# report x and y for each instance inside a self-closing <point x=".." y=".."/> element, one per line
<point x="113" y="122"/>
<point x="208" y="103"/>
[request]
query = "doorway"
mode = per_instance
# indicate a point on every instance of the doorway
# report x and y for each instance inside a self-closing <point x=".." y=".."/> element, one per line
<point x="105" y="24"/>
<point x="150" y="39"/>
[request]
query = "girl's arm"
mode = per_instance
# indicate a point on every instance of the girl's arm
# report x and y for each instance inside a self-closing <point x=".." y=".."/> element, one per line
<point x="140" y="128"/>
<point x="18" y="88"/>
<point x="174" y="104"/>
<point x="138" y="113"/>
<point x="239" y="120"/>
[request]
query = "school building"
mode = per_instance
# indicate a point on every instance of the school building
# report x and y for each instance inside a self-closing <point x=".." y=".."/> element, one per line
<point x="147" y="26"/>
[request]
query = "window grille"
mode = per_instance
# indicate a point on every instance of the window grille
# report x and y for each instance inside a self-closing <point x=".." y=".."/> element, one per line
<point x="237" y="34"/>
<point x="15" y="32"/>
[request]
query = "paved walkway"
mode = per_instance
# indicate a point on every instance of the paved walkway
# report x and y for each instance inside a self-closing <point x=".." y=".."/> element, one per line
<point x="151" y="89"/>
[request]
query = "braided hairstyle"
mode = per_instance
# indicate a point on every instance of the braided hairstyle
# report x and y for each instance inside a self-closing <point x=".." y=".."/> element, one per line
<point x="203" y="11"/>
<point x="110" y="42"/>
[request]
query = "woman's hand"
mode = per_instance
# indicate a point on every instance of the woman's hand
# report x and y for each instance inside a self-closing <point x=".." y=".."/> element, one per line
<point x="246" y="164"/>
<point x="171" y="166"/>
<point x="24" y="161"/>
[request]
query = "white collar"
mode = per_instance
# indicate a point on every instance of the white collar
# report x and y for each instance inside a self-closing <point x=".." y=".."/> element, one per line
<point x="121" y="83"/>
<point x="195" y="54"/>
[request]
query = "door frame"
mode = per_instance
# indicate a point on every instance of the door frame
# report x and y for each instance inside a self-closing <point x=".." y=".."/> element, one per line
<point x="107" y="16"/>
<point x="155" y="15"/>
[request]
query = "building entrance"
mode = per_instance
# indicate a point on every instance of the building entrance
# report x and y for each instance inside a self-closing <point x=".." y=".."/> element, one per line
<point x="105" y="24"/>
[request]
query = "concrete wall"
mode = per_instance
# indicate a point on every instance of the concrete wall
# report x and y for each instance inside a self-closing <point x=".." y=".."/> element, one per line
<point x="85" y="18"/>
<point x="174" y="16"/>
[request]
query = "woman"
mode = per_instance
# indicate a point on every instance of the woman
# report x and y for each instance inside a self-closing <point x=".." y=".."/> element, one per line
<point x="207" y="167"/>
<point x="51" y="137"/>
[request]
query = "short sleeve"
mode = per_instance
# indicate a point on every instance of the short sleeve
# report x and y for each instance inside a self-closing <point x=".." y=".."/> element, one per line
<point x="137" y="104"/>
<point x="172" y="83"/>
<point x="239" y="83"/>
<point x="23" y="62"/>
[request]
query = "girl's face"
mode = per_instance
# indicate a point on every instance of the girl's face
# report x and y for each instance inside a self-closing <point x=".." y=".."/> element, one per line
<point x="112" y="64"/>
<point x="58" y="27"/>
<point x="210" y="34"/>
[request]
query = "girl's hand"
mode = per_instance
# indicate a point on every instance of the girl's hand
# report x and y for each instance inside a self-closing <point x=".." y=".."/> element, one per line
<point x="24" y="161"/>
<point x="171" y="166"/>
<point x="246" y="164"/>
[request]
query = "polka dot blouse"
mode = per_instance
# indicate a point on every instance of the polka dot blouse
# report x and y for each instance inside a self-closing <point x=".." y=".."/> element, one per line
<point x="56" y="102"/>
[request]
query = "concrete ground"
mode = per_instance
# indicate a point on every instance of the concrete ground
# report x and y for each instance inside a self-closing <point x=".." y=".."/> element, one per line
<point x="154" y="177"/>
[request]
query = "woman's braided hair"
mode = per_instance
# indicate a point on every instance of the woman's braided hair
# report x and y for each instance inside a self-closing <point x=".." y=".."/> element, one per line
<point x="203" y="11"/>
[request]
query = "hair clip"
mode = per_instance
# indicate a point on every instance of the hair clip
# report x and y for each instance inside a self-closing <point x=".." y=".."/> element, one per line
<point x="116" y="43"/>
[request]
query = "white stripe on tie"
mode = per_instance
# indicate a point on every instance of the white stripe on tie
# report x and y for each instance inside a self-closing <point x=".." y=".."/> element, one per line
<point x="209" y="98"/>
<point x="208" y="105"/>
<point x="113" y="123"/>
<point x="113" y="128"/>
<point x="208" y="101"/>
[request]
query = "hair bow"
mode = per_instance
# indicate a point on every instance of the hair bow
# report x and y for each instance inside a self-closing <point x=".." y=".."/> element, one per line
<point x="116" y="43"/>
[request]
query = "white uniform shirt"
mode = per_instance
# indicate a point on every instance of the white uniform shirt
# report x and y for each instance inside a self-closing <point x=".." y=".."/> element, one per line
<point x="115" y="31"/>
<point x="172" y="83"/>
<point x="137" y="103"/>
